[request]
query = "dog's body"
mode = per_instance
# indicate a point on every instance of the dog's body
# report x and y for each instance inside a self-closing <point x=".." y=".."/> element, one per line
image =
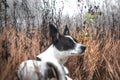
<point x="41" y="70"/>
<point x="58" y="52"/>
<point x="30" y="68"/>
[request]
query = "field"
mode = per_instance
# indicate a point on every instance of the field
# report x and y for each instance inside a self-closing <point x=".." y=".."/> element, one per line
<point x="101" y="60"/>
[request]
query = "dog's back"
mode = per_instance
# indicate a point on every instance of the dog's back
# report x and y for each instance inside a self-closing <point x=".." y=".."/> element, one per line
<point x="29" y="70"/>
<point x="38" y="70"/>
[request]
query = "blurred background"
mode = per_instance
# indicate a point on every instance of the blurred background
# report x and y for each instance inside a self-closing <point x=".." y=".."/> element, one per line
<point x="95" y="23"/>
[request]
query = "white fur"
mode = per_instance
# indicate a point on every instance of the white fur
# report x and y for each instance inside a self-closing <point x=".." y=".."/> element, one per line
<point x="28" y="70"/>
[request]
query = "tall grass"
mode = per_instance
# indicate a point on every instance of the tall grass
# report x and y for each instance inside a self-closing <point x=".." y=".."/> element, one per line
<point x="101" y="60"/>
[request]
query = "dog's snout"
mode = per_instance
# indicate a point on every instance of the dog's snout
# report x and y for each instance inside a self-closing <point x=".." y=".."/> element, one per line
<point x="83" y="48"/>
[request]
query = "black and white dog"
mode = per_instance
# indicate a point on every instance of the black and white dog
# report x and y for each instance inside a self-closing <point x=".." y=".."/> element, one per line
<point x="62" y="46"/>
<point x="56" y="55"/>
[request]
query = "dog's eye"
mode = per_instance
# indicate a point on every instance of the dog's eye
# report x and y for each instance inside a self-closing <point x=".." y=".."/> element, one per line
<point x="71" y="42"/>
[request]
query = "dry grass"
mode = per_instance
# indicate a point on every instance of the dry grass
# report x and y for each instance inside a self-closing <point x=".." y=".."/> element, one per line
<point x="100" y="62"/>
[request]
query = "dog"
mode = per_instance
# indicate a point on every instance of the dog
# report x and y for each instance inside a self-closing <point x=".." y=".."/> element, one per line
<point x="63" y="46"/>
<point x="56" y="55"/>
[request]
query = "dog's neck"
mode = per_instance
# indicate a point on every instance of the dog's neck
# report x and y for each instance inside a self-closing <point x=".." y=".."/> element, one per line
<point x="53" y="52"/>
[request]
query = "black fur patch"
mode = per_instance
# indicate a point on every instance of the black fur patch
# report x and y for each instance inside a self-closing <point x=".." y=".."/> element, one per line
<point x="64" y="43"/>
<point x="52" y="71"/>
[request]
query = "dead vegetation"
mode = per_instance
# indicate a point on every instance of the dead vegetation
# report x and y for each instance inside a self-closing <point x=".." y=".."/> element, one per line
<point x="100" y="62"/>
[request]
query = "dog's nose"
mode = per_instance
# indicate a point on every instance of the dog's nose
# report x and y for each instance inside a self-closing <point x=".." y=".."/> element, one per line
<point x="83" y="48"/>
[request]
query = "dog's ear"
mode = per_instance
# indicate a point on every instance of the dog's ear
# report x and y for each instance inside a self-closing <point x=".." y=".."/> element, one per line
<point x="54" y="33"/>
<point x="66" y="31"/>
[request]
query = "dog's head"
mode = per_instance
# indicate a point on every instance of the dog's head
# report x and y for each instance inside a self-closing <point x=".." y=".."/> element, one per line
<point x="65" y="44"/>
